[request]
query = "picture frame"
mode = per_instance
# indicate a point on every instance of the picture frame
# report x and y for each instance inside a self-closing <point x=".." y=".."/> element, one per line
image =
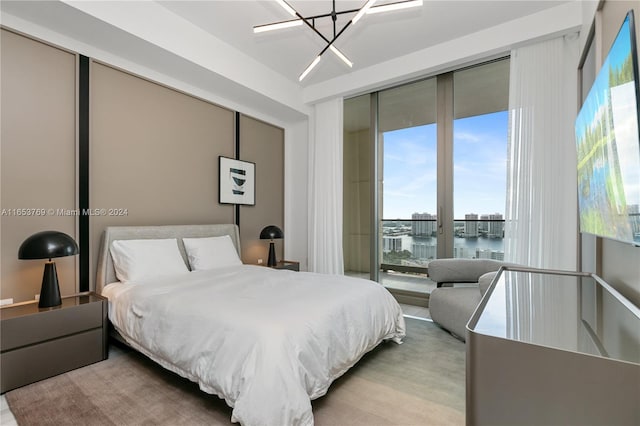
<point x="237" y="181"/>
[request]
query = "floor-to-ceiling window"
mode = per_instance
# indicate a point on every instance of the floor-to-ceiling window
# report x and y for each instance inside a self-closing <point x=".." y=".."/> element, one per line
<point x="424" y="175"/>
<point x="407" y="143"/>
<point x="480" y="131"/>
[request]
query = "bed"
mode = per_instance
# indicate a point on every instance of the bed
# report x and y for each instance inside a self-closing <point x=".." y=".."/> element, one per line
<point x="267" y="341"/>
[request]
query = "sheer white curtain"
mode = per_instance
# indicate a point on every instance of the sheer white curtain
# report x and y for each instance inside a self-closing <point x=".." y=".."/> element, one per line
<point x="325" y="188"/>
<point x="541" y="214"/>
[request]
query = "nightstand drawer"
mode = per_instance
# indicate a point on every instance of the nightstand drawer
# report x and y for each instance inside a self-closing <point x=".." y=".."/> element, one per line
<point x="45" y="325"/>
<point x="32" y="363"/>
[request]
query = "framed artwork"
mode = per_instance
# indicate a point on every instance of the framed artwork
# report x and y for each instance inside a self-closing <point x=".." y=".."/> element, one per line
<point x="237" y="182"/>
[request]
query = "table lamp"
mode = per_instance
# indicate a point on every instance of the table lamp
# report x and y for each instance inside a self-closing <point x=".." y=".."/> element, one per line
<point x="47" y="245"/>
<point x="271" y="232"/>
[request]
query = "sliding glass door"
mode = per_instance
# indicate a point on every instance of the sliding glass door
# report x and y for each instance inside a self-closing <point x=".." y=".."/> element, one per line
<point x="480" y="132"/>
<point x="407" y="141"/>
<point x="424" y="175"/>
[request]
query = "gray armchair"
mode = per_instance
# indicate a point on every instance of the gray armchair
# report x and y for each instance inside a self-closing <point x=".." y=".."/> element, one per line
<point x="452" y="305"/>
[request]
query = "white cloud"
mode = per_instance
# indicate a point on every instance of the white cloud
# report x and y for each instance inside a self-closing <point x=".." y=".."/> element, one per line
<point x="467" y="137"/>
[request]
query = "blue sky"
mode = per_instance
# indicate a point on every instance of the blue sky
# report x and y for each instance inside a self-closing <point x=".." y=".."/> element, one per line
<point x="598" y="97"/>
<point x="480" y="152"/>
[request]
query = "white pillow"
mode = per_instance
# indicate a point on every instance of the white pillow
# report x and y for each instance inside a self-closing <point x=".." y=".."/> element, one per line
<point x="211" y="252"/>
<point x="137" y="259"/>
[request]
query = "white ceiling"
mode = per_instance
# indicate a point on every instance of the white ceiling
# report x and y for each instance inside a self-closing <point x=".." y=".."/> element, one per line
<point x="374" y="39"/>
<point x="208" y="48"/>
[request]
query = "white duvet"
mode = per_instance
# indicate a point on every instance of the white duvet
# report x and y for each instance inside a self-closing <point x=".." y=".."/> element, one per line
<point x="267" y="341"/>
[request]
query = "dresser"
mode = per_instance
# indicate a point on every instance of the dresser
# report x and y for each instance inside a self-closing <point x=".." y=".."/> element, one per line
<point x="553" y="348"/>
<point x="37" y="343"/>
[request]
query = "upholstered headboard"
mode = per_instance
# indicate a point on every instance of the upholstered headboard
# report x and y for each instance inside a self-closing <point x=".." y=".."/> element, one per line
<point x="106" y="273"/>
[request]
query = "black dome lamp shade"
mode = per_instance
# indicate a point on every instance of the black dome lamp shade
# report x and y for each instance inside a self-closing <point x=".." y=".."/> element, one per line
<point x="271" y="232"/>
<point x="47" y="245"/>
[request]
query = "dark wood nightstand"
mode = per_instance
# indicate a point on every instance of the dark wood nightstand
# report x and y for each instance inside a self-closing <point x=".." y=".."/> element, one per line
<point x="39" y="343"/>
<point x="291" y="265"/>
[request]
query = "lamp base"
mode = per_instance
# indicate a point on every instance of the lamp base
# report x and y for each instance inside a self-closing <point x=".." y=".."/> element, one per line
<point x="272" y="255"/>
<point x="49" y="292"/>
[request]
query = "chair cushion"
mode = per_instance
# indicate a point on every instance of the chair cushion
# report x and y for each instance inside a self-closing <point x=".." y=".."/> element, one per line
<point x="460" y="270"/>
<point x="451" y="307"/>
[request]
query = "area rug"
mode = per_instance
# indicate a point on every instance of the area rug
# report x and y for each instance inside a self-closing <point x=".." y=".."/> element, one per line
<point x="420" y="382"/>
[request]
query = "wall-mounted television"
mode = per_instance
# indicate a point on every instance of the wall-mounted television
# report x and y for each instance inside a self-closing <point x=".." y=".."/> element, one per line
<point x="608" y="145"/>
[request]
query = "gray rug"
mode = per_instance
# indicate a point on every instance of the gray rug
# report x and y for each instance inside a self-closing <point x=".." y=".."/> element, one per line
<point x="420" y="382"/>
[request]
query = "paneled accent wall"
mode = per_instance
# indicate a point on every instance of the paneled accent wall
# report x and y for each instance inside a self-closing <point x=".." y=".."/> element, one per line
<point x="263" y="144"/>
<point x="38" y="159"/>
<point x="154" y="154"/>
<point x="152" y="160"/>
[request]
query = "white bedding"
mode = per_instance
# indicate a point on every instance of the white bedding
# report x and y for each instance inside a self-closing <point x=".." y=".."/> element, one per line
<point x="267" y="341"/>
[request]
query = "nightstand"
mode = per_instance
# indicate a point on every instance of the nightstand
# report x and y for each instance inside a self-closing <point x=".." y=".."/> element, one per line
<point x="39" y="343"/>
<point x="288" y="264"/>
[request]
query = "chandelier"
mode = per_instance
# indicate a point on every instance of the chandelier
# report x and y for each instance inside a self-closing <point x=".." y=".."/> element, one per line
<point x="310" y="22"/>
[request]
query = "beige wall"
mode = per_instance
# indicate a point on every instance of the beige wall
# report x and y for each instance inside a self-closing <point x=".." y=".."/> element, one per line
<point x="154" y="152"/>
<point x="357" y="201"/>
<point x="153" y="159"/>
<point x="262" y="144"/>
<point x="620" y="262"/>
<point x="617" y="263"/>
<point x="38" y="158"/>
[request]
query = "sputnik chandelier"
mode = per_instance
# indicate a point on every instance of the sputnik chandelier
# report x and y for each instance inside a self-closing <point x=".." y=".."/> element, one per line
<point x="310" y="21"/>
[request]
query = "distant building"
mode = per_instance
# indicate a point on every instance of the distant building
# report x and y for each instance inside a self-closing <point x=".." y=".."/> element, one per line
<point x="390" y="244"/>
<point x="489" y="254"/>
<point x="496" y="228"/>
<point x="460" y="252"/>
<point x="471" y="225"/>
<point x="423" y="251"/>
<point x="424" y="224"/>
<point x="483" y="226"/>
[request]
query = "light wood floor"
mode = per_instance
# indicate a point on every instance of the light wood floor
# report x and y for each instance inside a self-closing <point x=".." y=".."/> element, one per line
<point x="413" y="311"/>
<point x="7" y="418"/>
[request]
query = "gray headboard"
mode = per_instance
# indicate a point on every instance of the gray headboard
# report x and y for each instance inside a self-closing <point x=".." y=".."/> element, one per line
<point x="106" y="273"/>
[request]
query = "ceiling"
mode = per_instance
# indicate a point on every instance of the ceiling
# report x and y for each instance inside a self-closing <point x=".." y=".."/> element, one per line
<point x="208" y="47"/>
<point x="374" y="39"/>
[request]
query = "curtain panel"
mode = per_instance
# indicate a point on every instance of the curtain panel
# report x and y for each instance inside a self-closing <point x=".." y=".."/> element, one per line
<point x="325" y="188"/>
<point x="541" y="221"/>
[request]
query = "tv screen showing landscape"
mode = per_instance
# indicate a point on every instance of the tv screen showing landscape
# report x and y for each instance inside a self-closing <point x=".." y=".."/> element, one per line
<point x="608" y="145"/>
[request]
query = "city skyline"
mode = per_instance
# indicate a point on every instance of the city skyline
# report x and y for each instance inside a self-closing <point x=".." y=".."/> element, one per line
<point x="480" y="153"/>
<point x="480" y="215"/>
